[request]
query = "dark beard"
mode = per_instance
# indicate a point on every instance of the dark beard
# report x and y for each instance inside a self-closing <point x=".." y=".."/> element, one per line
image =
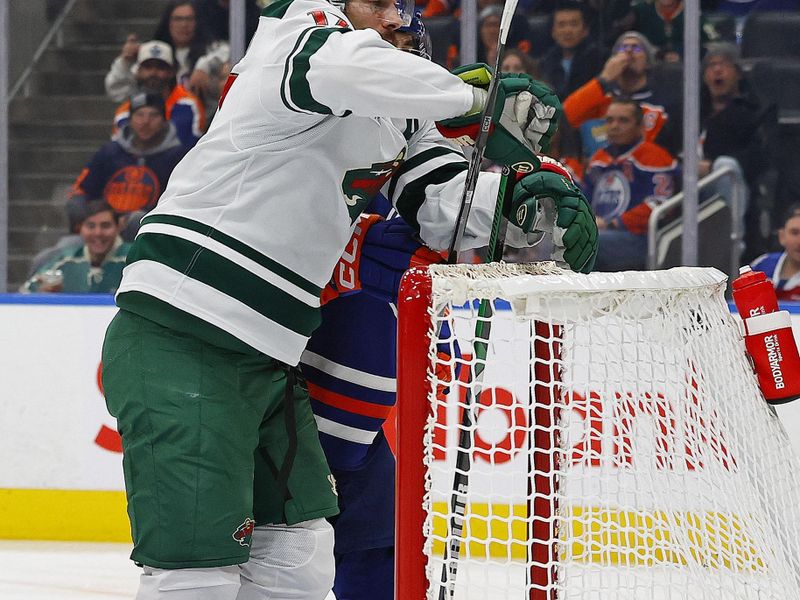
<point x="154" y="85"/>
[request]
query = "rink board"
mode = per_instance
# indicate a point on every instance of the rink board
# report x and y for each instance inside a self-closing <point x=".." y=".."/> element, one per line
<point x="61" y="475"/>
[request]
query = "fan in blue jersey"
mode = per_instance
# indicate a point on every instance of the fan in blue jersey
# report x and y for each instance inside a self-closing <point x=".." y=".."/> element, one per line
<point x="784" y="267"/>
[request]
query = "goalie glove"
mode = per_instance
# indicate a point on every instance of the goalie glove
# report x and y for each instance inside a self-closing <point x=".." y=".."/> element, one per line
<point x="549" y="201"/>
<point x="525" y="117"/>
<point x="773" y="352"/>
<point x="375" y="259"/>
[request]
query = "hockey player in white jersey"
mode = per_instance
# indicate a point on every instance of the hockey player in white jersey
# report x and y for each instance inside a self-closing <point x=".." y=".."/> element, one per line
<point x="227" y="485"/>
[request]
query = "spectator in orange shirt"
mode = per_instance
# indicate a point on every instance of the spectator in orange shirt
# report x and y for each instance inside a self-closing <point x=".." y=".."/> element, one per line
<point x="156" y="73"/>
<point x="625" y="74"/>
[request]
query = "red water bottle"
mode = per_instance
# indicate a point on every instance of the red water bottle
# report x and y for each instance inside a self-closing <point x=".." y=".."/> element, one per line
<point x="773" y="352"/>
<point x="753" y="293"/>
<point x="768" y="337"/>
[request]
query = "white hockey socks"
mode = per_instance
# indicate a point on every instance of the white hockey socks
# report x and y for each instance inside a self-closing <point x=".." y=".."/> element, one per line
<point x="289" y="562"/>
<point x="214" y="583"/>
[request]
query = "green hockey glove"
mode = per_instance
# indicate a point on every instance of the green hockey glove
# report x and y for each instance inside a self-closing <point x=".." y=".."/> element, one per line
<point x="525" y="118"/>
<point x="549" y="200"/>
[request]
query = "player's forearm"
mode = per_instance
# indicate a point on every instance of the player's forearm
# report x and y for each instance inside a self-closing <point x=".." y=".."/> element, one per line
<point x="437" y="216"/>
<point x="382" y="81"/>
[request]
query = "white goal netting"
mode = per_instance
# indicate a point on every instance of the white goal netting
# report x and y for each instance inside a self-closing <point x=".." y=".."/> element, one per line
<point x="617" y="446"/>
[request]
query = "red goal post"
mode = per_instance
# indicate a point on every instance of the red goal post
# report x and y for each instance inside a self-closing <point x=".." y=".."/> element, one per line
<point x="619" y="448"/>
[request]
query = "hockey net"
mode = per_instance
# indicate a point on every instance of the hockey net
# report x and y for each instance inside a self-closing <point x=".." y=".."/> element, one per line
<point x="616" y="443"/>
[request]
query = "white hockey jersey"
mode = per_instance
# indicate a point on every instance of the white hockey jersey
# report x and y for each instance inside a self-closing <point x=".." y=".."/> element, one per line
<point x="256" y="215"/>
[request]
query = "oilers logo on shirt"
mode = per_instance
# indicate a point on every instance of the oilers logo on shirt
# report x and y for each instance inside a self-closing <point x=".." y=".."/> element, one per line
<point x="612" y="195"/>
<point x="133" y="187"/>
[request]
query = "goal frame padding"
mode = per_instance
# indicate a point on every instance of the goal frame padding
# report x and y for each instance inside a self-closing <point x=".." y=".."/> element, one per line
<point x="413" y="408"/>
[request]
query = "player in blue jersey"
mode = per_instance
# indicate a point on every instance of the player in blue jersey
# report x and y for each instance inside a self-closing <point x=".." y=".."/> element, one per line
<point x="784" y="267"/>
<point x="350" y="369"/>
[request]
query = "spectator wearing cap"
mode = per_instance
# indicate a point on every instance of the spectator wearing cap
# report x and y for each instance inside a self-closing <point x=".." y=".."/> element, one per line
<point x="732" y="120"/>
<point x="200" y="59"/>
<point x="624" y="75"/>
<point x="92" y="265"/>
<point x="155" y="73"/>
<point x="661" y="21"/>
<point x="130" y="172"/>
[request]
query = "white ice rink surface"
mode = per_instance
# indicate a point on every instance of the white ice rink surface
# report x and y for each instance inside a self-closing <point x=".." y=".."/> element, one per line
<point x="91" y="571"/>
<point x="66" y="571"/>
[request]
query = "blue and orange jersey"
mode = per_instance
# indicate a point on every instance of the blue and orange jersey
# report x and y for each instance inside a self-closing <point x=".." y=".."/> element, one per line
<point x="772" y="265"/>
<point x="591" y="102"/>
<point x="350" y="369"/>
<point x="184" y="109"/>
<point x="574" y="165"/>
<point x="624" y="188"/>
<point x="125" y="180"/>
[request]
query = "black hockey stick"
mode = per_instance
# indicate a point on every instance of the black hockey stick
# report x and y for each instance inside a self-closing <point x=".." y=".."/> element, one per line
<point x="458" y="502"/>
<point x="458" y="499"/>
<point x="483" y="135"/>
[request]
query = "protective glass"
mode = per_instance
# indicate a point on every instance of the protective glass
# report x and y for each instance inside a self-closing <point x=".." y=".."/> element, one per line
<point x="405" y="8"/>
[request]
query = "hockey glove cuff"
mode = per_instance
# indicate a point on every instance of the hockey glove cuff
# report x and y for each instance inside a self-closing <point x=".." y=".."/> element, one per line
<point x="549" y="201"/>
<point x="346" y="278"/>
